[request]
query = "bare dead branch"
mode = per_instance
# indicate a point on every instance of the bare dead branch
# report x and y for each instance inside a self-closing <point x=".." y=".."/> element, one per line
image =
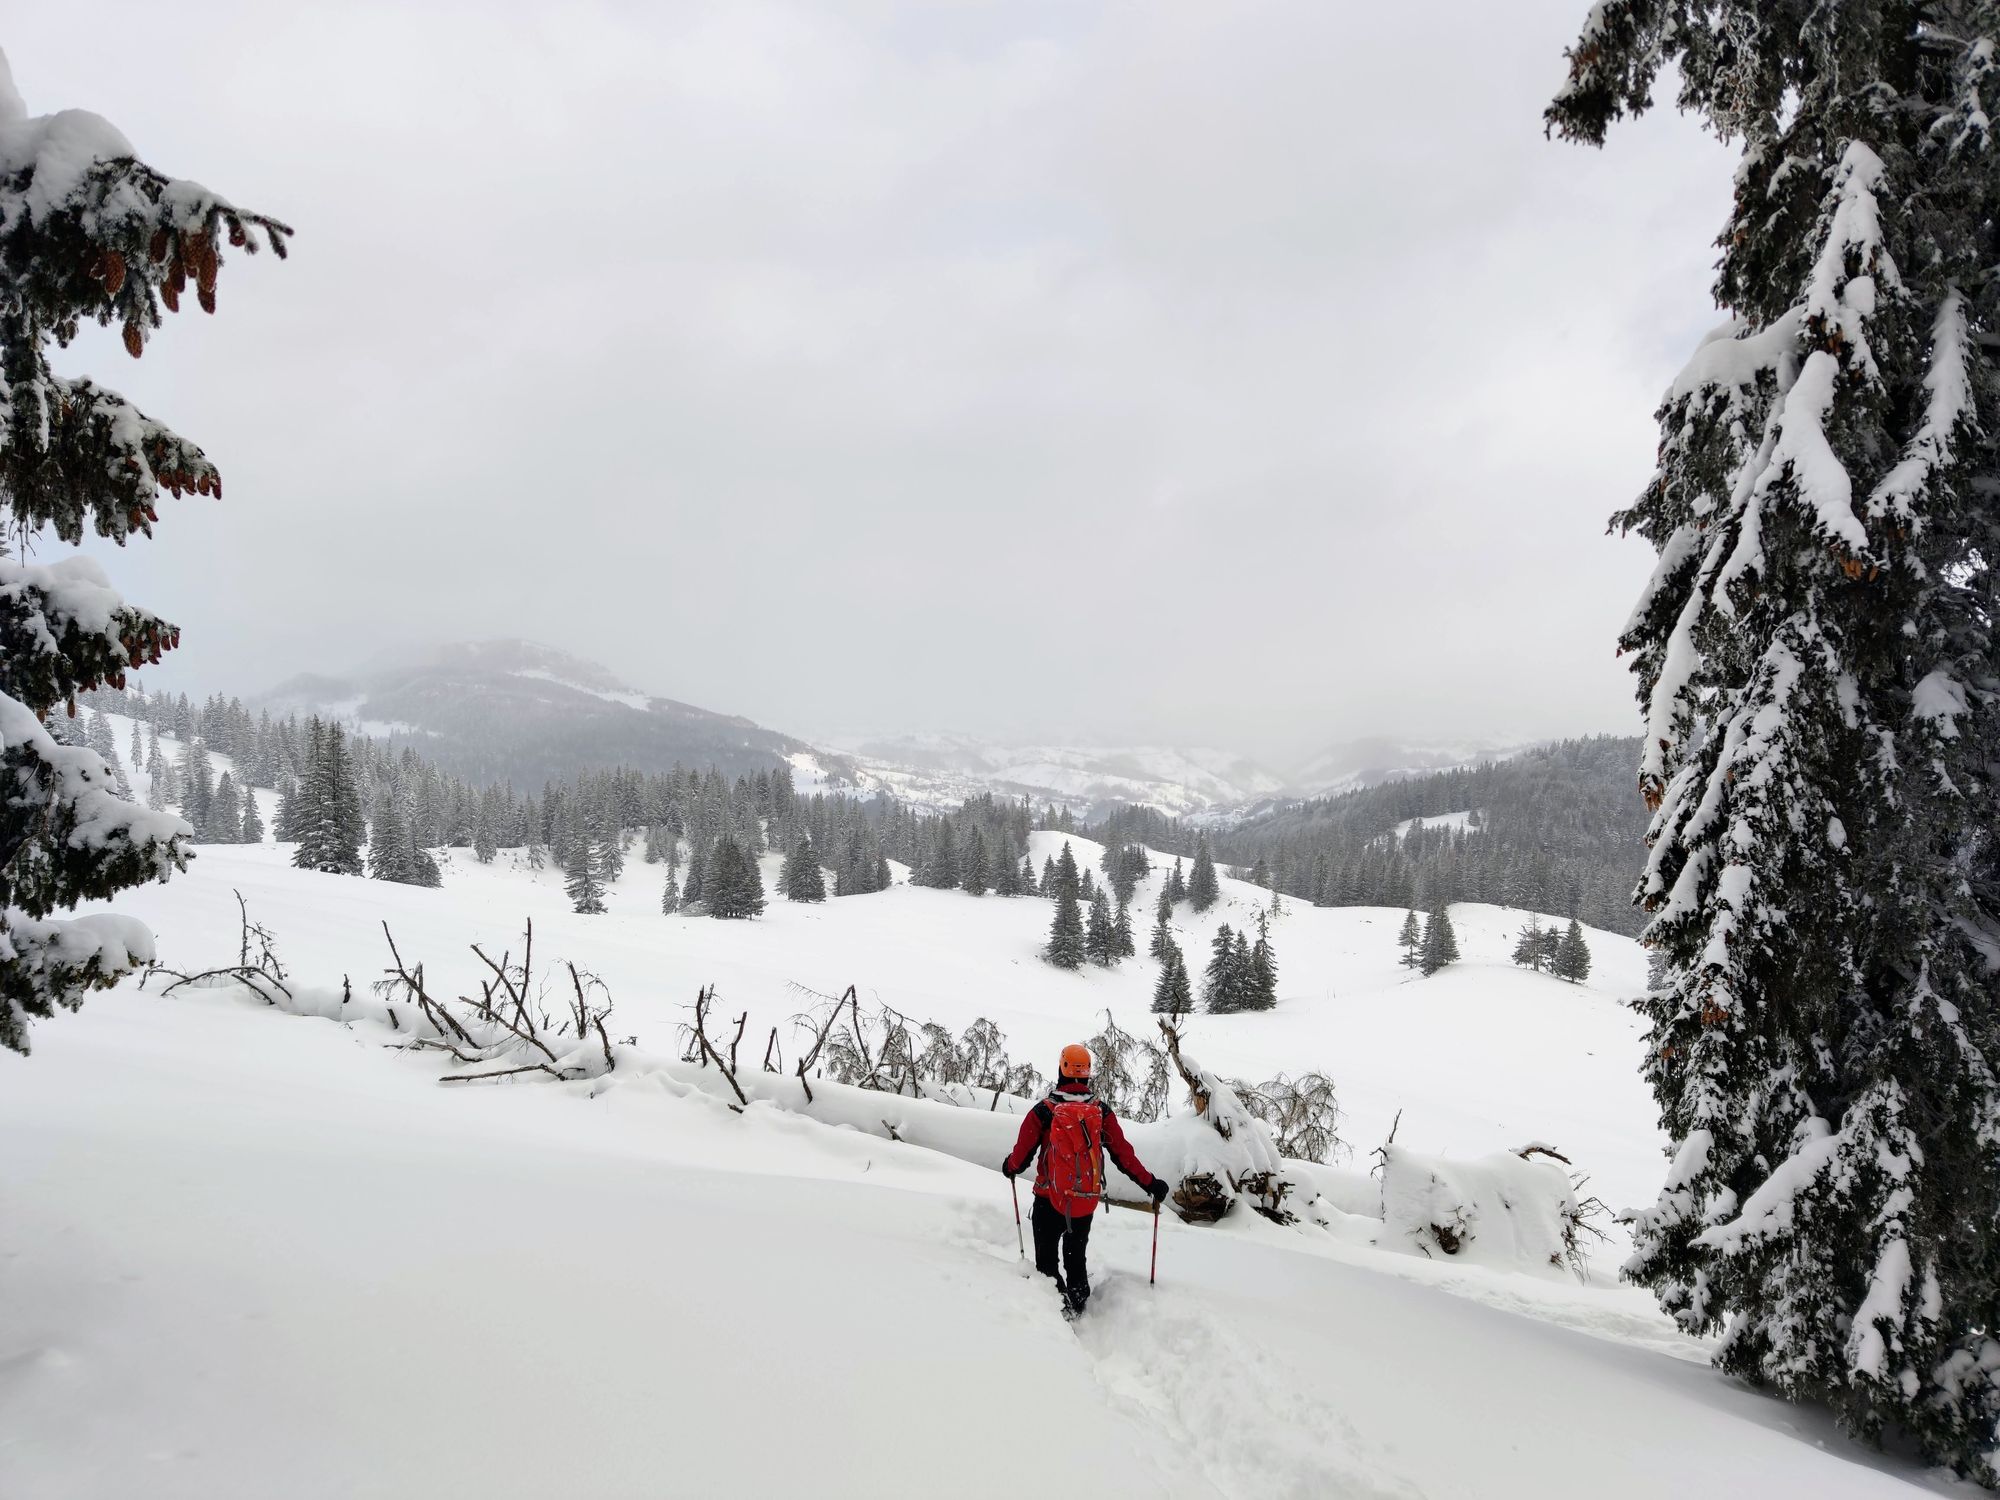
<point x="506" y="1073"/>
<point x="1538" y="1149"/>
<point x="702" y="1000"/>
<point x="1196" y="1091"/>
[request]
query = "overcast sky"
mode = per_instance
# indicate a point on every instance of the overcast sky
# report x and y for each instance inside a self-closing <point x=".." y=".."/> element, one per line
<point x="1252" y="374"/>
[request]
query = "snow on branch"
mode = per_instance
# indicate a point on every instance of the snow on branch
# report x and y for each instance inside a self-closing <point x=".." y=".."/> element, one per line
<point x="69" y="631"/>
<point x="48" y="963"/>
<point x="1948" y="407"/>
<point x="71" y="449"/>
<point x="87" y="227"/>
<point x="64" y="830"/>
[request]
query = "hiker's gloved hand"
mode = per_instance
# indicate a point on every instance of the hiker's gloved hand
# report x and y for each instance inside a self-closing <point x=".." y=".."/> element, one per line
<point x="1009" y="1171"/>
<point x="1158" y="1189"/>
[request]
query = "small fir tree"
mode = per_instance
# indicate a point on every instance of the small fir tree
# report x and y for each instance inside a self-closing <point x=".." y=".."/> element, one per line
<point x="1440" y="942"/>
<point x="1066" y="948"/>
<point x="253" y="821"/>
<point x="1121" y="932"/>
<point x="1221" y="984"/>
<point x="1528" y="951"/>
<point x="1100" y="940"/>
<point x="1572" y="960"/>
<point x="581" y="879"/>
<point x="1006" y="873"/>
<point x="1172" y="994"/>
<point x="1064" y="877"/>
<point x="734" y="887"/>
<point x="1203" y="889"/>
<point x="801" y="878"/>
<point x="1260" y="983"/>
<point x="972" y="863"/>
<point x="1412" y="940"/>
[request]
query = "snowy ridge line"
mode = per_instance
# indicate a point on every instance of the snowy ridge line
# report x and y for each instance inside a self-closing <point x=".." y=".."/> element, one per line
<point x="1501" y="1211"/>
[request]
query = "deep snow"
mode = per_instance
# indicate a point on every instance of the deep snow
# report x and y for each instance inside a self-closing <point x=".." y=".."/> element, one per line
<point x="249" y="1255"/>
<point x="244" y="1253"/>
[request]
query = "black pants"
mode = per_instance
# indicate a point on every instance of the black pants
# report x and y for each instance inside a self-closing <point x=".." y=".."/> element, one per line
<point x="1073" y="1236"/>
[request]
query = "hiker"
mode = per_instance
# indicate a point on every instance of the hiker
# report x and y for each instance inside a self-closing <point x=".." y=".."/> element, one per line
<point x="1071" y="1129"/>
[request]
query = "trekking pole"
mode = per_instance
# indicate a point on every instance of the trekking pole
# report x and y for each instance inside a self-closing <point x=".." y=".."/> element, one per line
<point x="1153" y="1276"/>
<point x="1019" y="1237"/>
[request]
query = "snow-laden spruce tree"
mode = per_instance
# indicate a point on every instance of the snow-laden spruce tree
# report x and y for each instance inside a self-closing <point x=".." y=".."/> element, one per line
<point x="87" y="231"/>
<point x="1816" y="661"/>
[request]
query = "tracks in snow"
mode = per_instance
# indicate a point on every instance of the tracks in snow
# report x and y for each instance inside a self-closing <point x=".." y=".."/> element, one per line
<point x="1249" y="1422"/>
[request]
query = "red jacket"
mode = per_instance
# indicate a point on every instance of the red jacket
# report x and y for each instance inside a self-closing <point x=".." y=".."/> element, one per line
<point x="1034" y="1133"/>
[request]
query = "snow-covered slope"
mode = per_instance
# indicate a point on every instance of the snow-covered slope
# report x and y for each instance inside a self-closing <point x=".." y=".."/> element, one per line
<point x="1370" y="762"/>
<point x="246" y="1254"/>
<point x="943" y="770"/>
<point x="515" y="710"/>
<point x="1480" y="1057"/>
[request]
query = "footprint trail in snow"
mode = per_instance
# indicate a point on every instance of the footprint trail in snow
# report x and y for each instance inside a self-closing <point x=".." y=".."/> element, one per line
<point x="1242" y="1415"/>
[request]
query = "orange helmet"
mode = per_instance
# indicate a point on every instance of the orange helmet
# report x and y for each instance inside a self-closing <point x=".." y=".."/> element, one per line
<point x="1075" y="1061"/>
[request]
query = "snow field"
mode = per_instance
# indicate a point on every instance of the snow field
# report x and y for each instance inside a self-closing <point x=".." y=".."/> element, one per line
<point x="1482" y="1057"/>
<point x="245" y="1254"/>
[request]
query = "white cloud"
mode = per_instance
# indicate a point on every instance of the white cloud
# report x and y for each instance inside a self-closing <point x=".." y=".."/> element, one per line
<point x="1253" y="374"/>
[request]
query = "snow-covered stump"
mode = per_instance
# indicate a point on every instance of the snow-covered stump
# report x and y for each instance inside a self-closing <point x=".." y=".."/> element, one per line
<point x="1220" y="1152"/>
<point x="1510" y="1209"/>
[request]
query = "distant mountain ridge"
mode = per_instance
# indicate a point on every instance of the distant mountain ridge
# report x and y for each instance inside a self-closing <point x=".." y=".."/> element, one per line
<point x="936" y="770"/>
<point x="511" y="710"/>
<point x="519" y="711"/>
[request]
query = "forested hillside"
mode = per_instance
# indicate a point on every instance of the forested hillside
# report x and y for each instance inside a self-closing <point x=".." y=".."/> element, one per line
<point x="1556" y="829"/>
<point x="495" y="711"/>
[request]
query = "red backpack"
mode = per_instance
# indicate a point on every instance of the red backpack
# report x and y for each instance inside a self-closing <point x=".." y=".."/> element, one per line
<point x="1073" y="1157"/>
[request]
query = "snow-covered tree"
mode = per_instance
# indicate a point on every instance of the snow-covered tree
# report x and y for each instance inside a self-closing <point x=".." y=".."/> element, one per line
<point x="253" y="821"/>
<point x="1203" y="890"/>
<point x="1440" y="946"/>
<point x="486" y="828"/>
<point x="694" y="883"/>
<point x="1411" y="938"/>
<point x="1260" y="979"/>
<point x="1572" y="955"/>
<point x="224" y="821"/>
<point x="801" y="879"/>
<point x="583" y="881"/>
<point x="1173" y="993"/>
<point x="732" y="887"/>
<point x="972" y="874"/>
<point x="1066" y="946"/>
<point x="1100" y="938"/>
<point x="1222" y="983"/>
<point x="1816" y="661"/>
<point x="87" y="231"/>
<point x="331" y="826"/>
<point x="1530" y="948"/>
<point x="197" y="781"/>
<point x="1062" y="878"/>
